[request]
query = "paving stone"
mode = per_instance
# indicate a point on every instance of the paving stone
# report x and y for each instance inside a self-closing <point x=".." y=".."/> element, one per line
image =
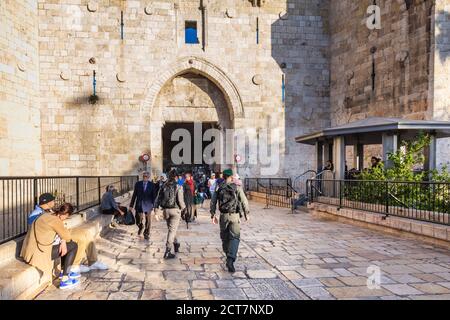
<point x="357" y="292"/>
<point x="177" y="295"/>
<point x="202" y="295"/>
<point x="124" y="296"/>
<point x="274" y="289"/>
<point x="153" y="295"/>
<point x="316" y="292"/>
<point x="331" y="282"/>
<point x="306" y="283"/>
<point x="203" y="284"/>
<point x="318" y="273"/>
<point x="430" y="288"/>
<point x="261" y="274"/>
<point x="132" y="286"/>
<point x="229" y="294"/>
<point x="294" y="256"/>
<point x="402" y="289"/>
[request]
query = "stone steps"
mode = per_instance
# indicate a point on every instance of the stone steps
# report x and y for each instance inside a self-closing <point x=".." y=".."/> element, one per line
<point x="19" y="280"/>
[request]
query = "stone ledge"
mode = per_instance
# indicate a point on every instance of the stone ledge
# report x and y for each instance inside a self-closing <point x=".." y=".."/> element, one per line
<point x="19" y="280"/>
<point x="426" y="231"/>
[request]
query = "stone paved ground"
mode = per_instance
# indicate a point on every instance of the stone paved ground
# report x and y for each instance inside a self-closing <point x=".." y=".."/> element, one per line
<point x="282" y="256"/>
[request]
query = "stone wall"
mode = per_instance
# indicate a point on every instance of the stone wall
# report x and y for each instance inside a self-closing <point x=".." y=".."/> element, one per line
<point x="401" y="59"/>
<point x="440" y="84"/>
<point x="19" y="86"/>
<point x="108" y="137"/>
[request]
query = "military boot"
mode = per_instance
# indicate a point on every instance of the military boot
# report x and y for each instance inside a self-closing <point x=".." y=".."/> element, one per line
<point x="168" y="254"/>
<point x="176" y="247"/>
<point x="230" y="265"/>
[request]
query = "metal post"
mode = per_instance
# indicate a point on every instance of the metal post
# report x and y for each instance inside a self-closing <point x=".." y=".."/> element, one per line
<point x="340" y="194"/>
<point x="78" y="192"/>
<point x="35" y="195"/>
<point x="99" y="191"/>
<point x="387" y="198"/>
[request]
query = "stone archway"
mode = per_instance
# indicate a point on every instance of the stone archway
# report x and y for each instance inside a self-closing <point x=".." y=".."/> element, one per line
<point x="226" y="109"/>
<point x="206" y="69"/>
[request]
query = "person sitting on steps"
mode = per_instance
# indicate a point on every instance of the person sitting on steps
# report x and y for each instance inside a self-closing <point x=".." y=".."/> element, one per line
<point x="47" y="239"/>
<point x="109" y="206"/>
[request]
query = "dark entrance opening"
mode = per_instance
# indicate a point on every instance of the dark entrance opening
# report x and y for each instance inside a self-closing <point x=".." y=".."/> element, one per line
<point x="168" y="145"/>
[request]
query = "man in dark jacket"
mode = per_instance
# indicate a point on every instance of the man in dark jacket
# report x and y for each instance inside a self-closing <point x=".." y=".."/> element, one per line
<point x="143" y="198"/>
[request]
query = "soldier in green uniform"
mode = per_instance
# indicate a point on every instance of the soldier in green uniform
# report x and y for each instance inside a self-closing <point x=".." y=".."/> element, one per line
<point x="232" y="203"/>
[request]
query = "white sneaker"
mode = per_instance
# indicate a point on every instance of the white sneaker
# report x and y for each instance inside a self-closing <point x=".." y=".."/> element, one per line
<point x="99" y="266"/>
<point x="80" y="269"/>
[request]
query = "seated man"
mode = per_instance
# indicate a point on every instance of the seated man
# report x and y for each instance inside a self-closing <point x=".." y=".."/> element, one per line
<point x="109" y="206"/>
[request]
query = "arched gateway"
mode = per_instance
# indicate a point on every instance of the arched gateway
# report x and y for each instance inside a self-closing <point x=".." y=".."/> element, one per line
<point x="191" y="91"/>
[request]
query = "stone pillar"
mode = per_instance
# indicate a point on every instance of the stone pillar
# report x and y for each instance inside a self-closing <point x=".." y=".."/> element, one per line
<point x="339" y="157"/>
<point x="390" y="145"/>
<point x="358" y="156"/>
<point x="430" y="156"/>
<point x="319" y="156"/>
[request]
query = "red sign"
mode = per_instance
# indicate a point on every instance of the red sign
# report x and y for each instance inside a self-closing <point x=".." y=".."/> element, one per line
<point x="144" y="158"/>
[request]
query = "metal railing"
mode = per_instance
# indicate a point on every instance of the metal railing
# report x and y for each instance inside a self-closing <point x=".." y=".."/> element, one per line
<point x="424" y="201"/>
<point x="19" y="196"/>
<point x="278" y="191"/>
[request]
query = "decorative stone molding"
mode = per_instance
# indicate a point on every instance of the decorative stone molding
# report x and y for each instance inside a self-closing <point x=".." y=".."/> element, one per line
<point x="349" y="75"/>
<point x="21" y="66"/>
<point x="257" y="79"/>
<point x="65" y="75"/>
<point x="204" y="68"/>
<point x="231" y="13"/>
<point x="149" y="10"/>
<point x="92" y="6"/>
<point x="308" y="81"/>
<point x="402" y="56"/>
<point x="120" y="76"/>
<point x="307" y="113"/>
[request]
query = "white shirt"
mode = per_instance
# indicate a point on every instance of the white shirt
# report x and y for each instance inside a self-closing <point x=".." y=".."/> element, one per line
<point x="212" y="184"/>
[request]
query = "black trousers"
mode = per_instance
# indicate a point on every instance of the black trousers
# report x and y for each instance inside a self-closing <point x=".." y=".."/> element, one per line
<point x="147" y="224"/>
<point x="115" y="212"/>
<point x="68" y="259"/>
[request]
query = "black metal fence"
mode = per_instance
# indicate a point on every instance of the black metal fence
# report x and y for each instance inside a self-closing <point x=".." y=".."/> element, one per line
<point x="278" y="191"/>
<point x="19" y="195"/>
<point x="425" y="201"/>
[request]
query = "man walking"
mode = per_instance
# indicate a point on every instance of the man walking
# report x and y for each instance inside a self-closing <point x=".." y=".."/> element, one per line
<point x="188" y="193"/>
<point x="232" y="203"/>
<point x="143" y="198"/>
<point x="171" y="200"/>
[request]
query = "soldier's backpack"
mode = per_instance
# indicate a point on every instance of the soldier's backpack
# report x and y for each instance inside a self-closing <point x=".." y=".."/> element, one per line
<point x="227" y="197"/>
<point x="168" y="196"/>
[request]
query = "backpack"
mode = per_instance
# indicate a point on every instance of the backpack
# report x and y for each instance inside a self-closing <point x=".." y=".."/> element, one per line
<point x="168" y="196"/>
<point x="227" y="197"/>
<point x="128" y="218"/>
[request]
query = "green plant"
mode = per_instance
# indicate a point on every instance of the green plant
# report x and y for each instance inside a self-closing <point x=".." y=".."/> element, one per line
<point x="400" y="184"/>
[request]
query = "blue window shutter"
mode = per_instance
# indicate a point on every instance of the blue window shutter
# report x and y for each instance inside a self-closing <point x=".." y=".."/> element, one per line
<point x="191" y="32"/>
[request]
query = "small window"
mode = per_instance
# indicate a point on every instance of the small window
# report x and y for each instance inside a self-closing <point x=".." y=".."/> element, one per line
<point x="191" y="32"/>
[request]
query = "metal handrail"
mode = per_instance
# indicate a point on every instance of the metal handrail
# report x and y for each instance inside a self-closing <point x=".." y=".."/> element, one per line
<point x="19" y="195"/>
<point x="302" y="175"/>
<point x="417" y="200"/>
